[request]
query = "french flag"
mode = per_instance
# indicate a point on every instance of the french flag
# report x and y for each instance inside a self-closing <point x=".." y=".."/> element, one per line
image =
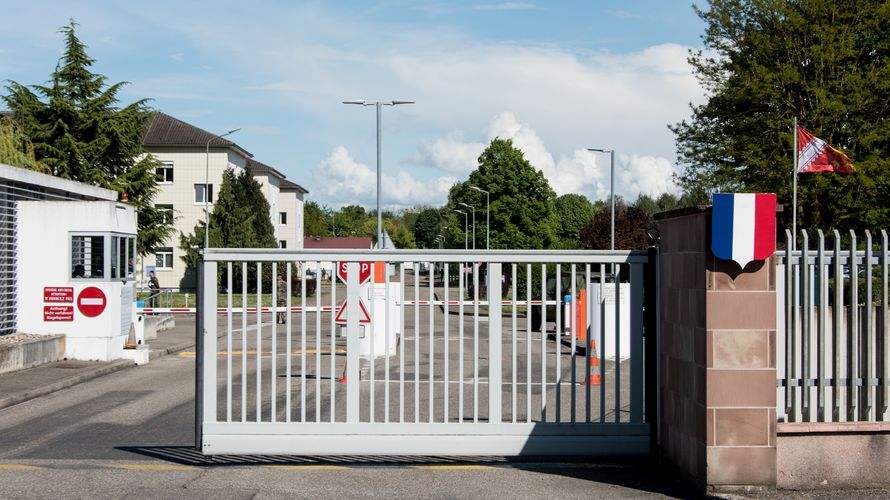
<point x="743" y="226"/>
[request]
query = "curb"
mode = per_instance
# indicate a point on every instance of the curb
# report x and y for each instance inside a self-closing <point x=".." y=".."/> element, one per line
<point x="160" y="353"/>
<point x="21" y="397"/>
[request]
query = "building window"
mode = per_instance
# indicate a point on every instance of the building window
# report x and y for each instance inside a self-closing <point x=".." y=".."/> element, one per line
<point x="166" y="213"/>
<point x="282" y="218"/>
<point x="88" y="257"/>
<point x="282" y="244"/>
<point x="164" y="258"/>
<point x="164" y="173"/>
<point x="199" y="193"/>
<point x="123" y="253"/>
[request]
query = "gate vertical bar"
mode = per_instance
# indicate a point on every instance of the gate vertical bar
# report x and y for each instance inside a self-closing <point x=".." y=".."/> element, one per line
<point x="333" y="363"/>
<point x="432" y="358"/>
<point x="805" y="330"/>
<point x="274" y="375"/>
<point x="353" y="384"/>
<point x="228" y="341"/>
<point x="838" y="313"/>
<point x="789" y="328"/>
<point x="495" y="346"/>
<point x="573" y="322"/>
<point x="528" y="342"/>
<point x="853" y="333"/>
<point x="243" y="341"/>
<point x="867" y="334"/>
<point x="208" y="315"/>
<point x="259" y="341"/>
<point x="514" y="357"/>
<point x="636" y="343"/>
<point x="617" y="274"/>
<point x="884" y="350"/>
<point x="288" y="346"/>
<point x="820" y="349"/>
<point x="446" y="391"/>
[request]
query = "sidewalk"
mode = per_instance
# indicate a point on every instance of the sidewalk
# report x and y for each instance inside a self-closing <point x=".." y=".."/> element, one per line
<point x="23" y="385"/>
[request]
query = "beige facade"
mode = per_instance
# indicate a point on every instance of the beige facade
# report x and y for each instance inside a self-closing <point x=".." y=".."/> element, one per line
<point x="181" y="148"/>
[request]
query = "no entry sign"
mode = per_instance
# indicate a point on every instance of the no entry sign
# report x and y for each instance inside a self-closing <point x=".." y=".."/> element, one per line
<point x="364" y="271"/>
<point x="91" y="301"/>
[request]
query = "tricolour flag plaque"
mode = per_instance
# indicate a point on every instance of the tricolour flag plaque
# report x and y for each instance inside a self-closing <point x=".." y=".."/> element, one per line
<point x="743" y="226"/>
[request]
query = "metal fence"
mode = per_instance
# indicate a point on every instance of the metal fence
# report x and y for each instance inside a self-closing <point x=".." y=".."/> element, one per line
<point x="464" y="369"/>
<point x="832" y="341"/>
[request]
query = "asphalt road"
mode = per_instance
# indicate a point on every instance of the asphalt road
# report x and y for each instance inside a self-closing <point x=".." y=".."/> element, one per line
<point x="129" y="435"/>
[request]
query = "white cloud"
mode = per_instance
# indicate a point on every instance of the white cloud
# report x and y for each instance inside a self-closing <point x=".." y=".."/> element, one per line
<point x="341" y="180"/>
<point x="177" y="56"/>
<point x="581" y="171"/>
<point x="505" y="6"/>
<point x="451" y="153"/>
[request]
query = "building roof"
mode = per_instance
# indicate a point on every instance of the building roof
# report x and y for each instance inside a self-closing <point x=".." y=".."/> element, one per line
<point x="337" y="243"/>
<point x="286" y="185"/>
<point x="262" y="168"/>
<point x="164" y="130"/>
<point x="55" y="187"/>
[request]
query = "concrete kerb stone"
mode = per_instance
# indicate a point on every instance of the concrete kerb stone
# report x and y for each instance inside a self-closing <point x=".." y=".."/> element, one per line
<point x="27" y="395"/>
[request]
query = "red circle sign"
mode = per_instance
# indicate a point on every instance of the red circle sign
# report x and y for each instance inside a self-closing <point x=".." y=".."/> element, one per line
<point x="91" y="301"/>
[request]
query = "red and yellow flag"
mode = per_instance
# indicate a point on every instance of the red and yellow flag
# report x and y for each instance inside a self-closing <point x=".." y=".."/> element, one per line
<point x="816" y="155"/>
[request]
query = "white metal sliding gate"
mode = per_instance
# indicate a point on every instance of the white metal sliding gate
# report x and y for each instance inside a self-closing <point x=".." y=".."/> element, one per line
<point x="483" y="360"/>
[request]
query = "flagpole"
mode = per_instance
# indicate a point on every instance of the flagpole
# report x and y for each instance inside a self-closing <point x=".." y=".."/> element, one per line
<point x="794" y="213"/>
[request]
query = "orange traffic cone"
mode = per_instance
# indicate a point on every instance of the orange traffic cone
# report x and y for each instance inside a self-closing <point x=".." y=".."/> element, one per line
<point x="593" y="371"/>
<point x="343" y="377"/>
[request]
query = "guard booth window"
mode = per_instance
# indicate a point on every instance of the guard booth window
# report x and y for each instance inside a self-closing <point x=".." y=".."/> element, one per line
<point x="88" y="257"/>
<point x="123" y="249"/>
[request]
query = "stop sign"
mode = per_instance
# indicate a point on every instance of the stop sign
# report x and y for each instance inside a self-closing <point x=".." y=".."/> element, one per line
<point x="91" y="301"/>
<point x="364" y="271"/>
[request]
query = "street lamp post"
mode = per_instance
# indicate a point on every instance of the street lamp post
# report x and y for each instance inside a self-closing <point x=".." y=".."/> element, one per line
<point x="378" y="104"/>
<point x="471" y="207"/>
<point x="207" y="185"/>
<point x="487" y="211"/>
<point x="465" y="226"/>
<point x="611" y="190"/>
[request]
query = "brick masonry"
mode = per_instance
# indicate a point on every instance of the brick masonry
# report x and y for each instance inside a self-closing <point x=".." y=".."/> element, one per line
<point x="718" y="376"/>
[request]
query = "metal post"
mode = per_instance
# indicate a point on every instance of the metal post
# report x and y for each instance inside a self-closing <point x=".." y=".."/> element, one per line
<point x="199" y="360"/>
<point x="612" y="196"/>
<point x="380" y="242"/>
<point x="377" y="105"/>
<point x="487" y="219"/>
<point x="794" y="209"/>
<point x="207" y="185"/>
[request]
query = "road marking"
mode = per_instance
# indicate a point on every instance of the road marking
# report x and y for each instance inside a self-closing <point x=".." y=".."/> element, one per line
<point x="308" y="467"/>
<point x="153" y="467"/>
<point x="192" y="354"/>
<point x="18" y="467"/>
<point x="452" y="467"/>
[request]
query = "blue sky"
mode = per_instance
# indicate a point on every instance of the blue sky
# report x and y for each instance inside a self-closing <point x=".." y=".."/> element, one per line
<point x="556" y="77"/>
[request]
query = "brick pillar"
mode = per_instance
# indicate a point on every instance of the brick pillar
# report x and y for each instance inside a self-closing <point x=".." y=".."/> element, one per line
<point x="717" y="376"/>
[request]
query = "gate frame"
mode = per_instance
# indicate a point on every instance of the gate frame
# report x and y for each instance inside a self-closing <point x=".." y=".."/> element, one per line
<point x="495" y="439"/>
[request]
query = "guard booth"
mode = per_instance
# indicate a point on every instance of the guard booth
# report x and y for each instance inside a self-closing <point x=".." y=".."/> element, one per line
<point x="76" y="274"/>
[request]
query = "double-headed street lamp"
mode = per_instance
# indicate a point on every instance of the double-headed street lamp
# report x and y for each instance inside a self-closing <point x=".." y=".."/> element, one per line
<point x="207" y="186"/>
<point x="611" y="189"/>
<point x="465" y="226"/>
<point x="471" y="207"/>
<point x="487" y="211"/>
<point x="378" y="104"/>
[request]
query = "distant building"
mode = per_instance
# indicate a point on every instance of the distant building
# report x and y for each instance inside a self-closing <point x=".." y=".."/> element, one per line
<point x="333" y="243"/>
<point x="181" y="148"/>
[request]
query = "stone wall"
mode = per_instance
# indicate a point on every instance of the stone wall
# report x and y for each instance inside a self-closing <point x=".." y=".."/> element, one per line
<point x="717" y="359"/>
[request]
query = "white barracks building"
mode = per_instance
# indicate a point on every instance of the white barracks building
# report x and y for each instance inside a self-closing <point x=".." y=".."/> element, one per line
<point x="182" y="148"/>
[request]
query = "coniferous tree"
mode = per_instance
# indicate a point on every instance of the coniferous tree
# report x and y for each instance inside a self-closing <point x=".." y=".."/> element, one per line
<point x="16" y="149"/>
<point x="80" y="133"/>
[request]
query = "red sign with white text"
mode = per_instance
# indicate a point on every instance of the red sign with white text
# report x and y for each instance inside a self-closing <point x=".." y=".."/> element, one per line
<point x="364" y="271"/>
<point x="58" y="294"/>
<point x="58" y="313"/>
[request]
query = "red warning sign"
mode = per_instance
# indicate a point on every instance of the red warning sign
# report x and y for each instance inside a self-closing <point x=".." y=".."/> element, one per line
<point x="364" y="271"/>
<point x="341" y="313"/>
<point x="58" y="294"/>
<point x="91" y="301"/>
<point x="58" y="313"/>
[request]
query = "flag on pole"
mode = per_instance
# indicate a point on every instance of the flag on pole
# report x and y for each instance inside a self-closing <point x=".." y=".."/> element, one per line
<point x="816" y="155"/>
